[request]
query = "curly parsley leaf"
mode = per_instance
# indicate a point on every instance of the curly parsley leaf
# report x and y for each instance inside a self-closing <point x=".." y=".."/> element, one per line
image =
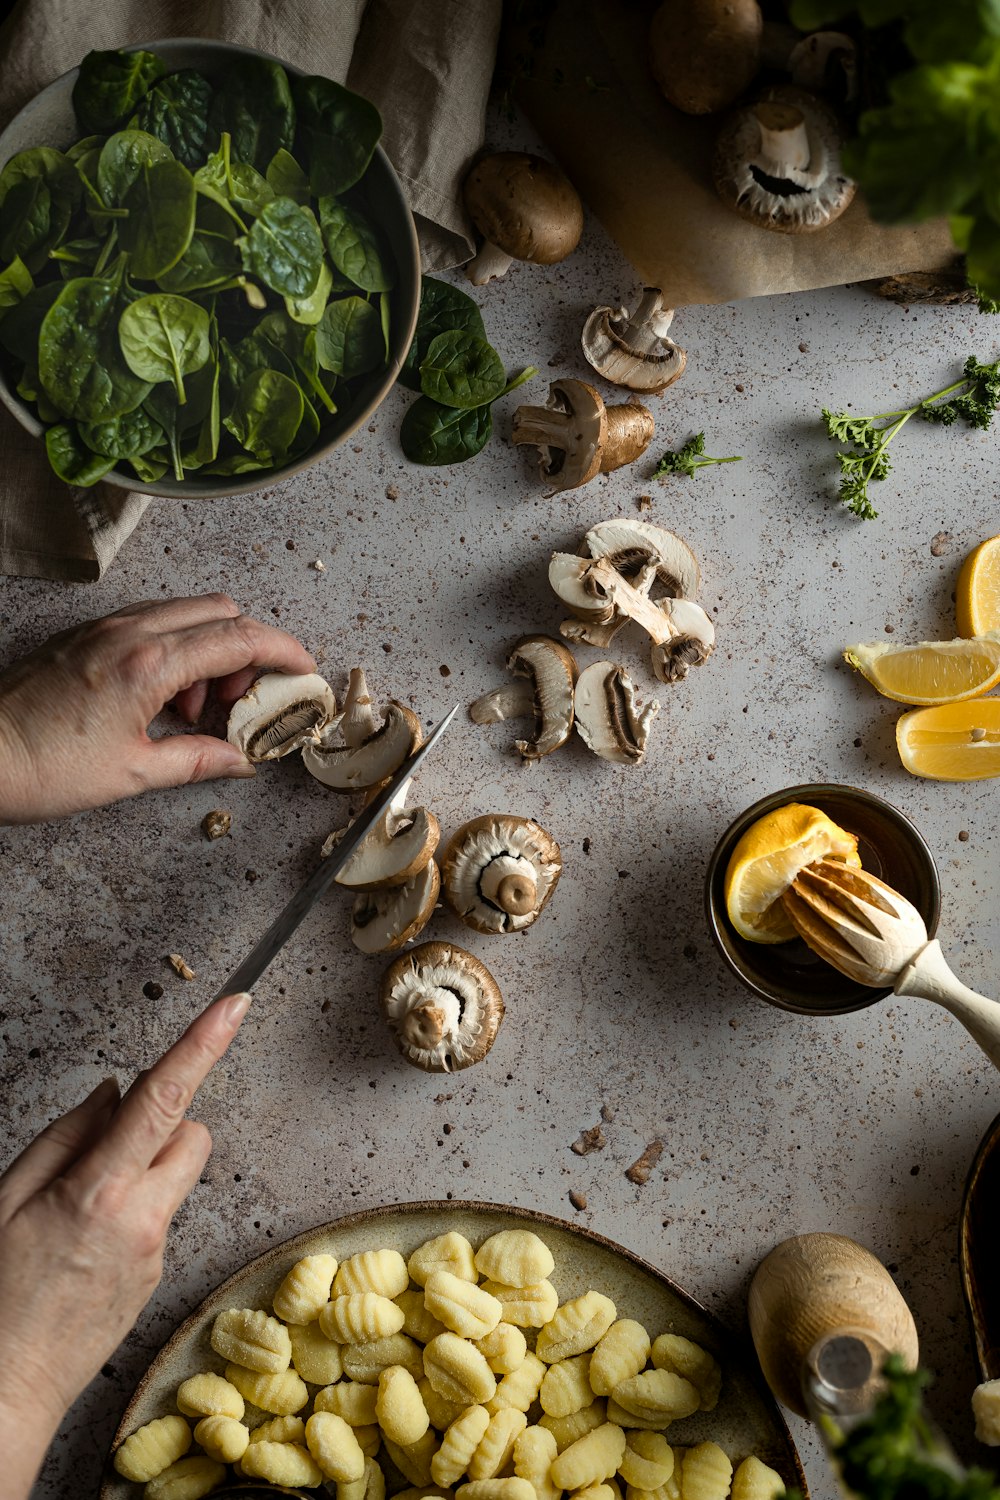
<point x="688" y="458"/>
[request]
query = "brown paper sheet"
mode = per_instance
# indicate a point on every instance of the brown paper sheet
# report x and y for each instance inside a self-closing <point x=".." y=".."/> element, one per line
<point x="645" y="170"/>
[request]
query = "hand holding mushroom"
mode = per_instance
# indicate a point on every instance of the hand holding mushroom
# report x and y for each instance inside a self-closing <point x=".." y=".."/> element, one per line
<point x="74" y="714"/>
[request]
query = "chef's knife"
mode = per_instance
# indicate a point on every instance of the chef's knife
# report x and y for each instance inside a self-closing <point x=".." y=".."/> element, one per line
<point x="245" y="977"/>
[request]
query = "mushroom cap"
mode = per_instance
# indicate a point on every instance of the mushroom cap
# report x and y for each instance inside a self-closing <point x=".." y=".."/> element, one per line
<point x="607" y="719"/>
<point x="570" y="430"/>
<point x="351" y="768"/>
<point x="383" y="921"/>
<point x="691" y="645"/>
<point x="393" y="852"/>
<point x="525" y="206"/>
<point x="704" y="53"/>
<point x="499" y="871"/>
<point x="803" y="199"/>
<point x="442" y="1005"/>
<point x="552" y="669"/>
<point x="646" y="554"/>
<point x="280" y="713"/>
<point x="632" y="349"/>
<point x="570" y="577"/>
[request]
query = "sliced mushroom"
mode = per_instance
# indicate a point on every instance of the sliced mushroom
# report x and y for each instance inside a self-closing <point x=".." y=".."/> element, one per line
<point x="704" y="53"/>
<point x="826" y="63"/>
<point x="547" y="695"/>
<point x="525" y="208"/>
<point x="632" y="349"/>
<point x="280" y="714"/>
<point x="394" y="851"/>
<point x="777" y="162"/>
<point x="357" y="724"/>
<point x="644" y="554"/>
<point x="691" y="644"/>
<point x="498" y="872"/>
<point x="383" y="921"/>
<point x="351" y="768"/>
<point x="578" y="437"/>
<point x="606" y="715"/>
<point x="443" y="1007"/>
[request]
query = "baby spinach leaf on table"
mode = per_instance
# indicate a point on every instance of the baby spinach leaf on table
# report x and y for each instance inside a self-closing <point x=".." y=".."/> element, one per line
<point x="127" y="436"/>
<point x="122" y="158"/>
<point x="71" y="459"/>
<point x="160" y="223"/>
<point x="110" y="85"/>
<point x="286" y="177"/>
<point x="338" y="130"/>
<point x="20" y="326"/>
<point x="266" y="415"/>
<point x="165" y="337"/>
<point x="284" y="249"/>
<point x="443" y="308"/>
<point x="254" y="106"/>
<point x="349" y="338"/>
<point x="355" y="246"/>
<point x="436" y="434"/>
<point x="176" y="111"/>
<point x="15" y="284"/>
<point x="79" y="360"/>
<point x="461" y="369"/>
<point x="310" y="309"/>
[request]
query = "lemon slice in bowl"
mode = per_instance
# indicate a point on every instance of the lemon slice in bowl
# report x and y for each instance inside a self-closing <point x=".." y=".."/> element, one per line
<point x="977" y="594"/>
<point x="767" y="859"/>
<point x="930" y="672"/>
<point x="954" y="742"/>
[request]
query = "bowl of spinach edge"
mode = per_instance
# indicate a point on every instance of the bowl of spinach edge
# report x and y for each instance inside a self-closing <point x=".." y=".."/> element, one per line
<point x="259" y="393"/>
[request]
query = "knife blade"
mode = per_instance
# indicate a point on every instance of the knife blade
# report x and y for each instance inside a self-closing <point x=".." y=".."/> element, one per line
<point x="249" y="971"/>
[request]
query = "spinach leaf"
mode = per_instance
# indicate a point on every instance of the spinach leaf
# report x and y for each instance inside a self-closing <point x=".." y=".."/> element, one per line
<point x="176" y="111"/>
<point x="122" y="158"/>
<point x="71" y="459"/>
<point x="164" y="337"/>
<point x="355" y="246"/>
<point x="442" y="309"/>
<point x="310" y="309"/>
<point x="349" y="338"/>
<point x="110" y="85"/>
<point x="232" y="182"/>
<point x="238" y="463"/>
<point x="461" y="369"/>
<point x="266" y="416"/>
<point x="434" y="434"/>
<point x="15" y="284"/>
<point x="150" y="469"/>
<point x="160" y="223"/>
<point x="339" y="132"/>
<point x="128" y="436"/>
<point x="287" y="178"/>
<point x="284" y="249"/>
<point x="211" y="258"/>
<point x="206" y="449"/>
<point x="384" y="316"/>
<point x="21" y="324"/>
<point x="79" y="360"/>
<point x="83" y="146"/>
<point x="77" y="257"/>
<point x="254" y="106"/>
<point x="309" y="429"/>
<point x="39" y="192"/>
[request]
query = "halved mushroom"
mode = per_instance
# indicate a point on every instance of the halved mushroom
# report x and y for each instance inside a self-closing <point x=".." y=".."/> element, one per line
<point x="777" y="162"/>
<point x="394" y="851"/>
<point x="606" y="715"/>
<point x="547" y="695"/>
<point x="498" y="872"/>
<point x="578" y="436"/>
<point x="644" y="554"/>
<point x="443" y="1007"/>
<point x="525" y="208"/>
<point x="690" y="645"/>
<point x="371" y="754"/>
<point x="383" y="921"/>
<point x="632" y="349"/>
<point x="279" y="714"/>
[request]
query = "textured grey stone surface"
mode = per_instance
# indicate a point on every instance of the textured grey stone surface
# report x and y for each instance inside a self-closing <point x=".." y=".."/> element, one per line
<point x="771" y="1124"/>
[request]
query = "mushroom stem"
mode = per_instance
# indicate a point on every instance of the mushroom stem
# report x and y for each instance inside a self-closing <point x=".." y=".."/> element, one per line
<point x="514" y="701"/>
<point x="434" y="1019"/>
<point x="490" y="263"/>
<point x="630" y="432"/>
<point x="784" y="140"/>
<point x="605" y="582"/>
<point x="642" y="330"/>
<point x="358" y="722"/>
<point x="516" y="895"/>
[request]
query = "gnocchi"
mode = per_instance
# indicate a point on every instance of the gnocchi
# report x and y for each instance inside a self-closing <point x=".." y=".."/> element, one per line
<point x="520" y="1388"/>
<point x="153" y="1448"/>
<point x="209" y="1395"/>
<point x="679" y="1355"/>
<point x="399" y="1407"/>
<point x="648" y="1463"/>
<point x="496" y="1489"/>
<point x="335" y="1448"/>
<point x="754" y="1480"/>
<point x="222" y="1438"/>
<point x="575" y="1327"/>
<point x="504" y="1349"/>
<point x="591" y="1459"/>
<point x="515" y="1257"/>
<point x="280" y="1430"/>
<point x="566" y="1387"/>
<point x="705" y="1473"/>
<point x="447" y="1252"/>
<point x="658" y="1394"/>
<point x="418" y="1323"/>
<point x="188" y="1479"/>
<point x="359" y="1318"/>
<point x="315" y="1357"/>
<point x="414" y="1462"/>
<point x="525" y="1306"/>
<point x="457" y="1370"/>
<point x="365" y="1362"/>
<point x="305" y="1290"/>
<point x="380" y="1271"/>
<point x="251" y="1338"/>
<point x="349" y="1399"/>
<point x="459" y="1443"/>
<point x="281" y="1395"/>
<point x="535" y="1451"/>
<point x="461" y="1306"/>
<point x="620" y="1353"/>
<point x="497" y="1445"/>
<point x="282" y="1463"/>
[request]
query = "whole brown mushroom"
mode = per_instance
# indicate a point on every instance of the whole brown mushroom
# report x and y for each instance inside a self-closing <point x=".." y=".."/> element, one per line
<point x="704" y="53"/>
<point x="525" y="208"/>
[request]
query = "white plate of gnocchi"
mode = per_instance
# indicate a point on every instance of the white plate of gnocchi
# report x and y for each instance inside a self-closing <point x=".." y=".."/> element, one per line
<point x="452" y="1351"/>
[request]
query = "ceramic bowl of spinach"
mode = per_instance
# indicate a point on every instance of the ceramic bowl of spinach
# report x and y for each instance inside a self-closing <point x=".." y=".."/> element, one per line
<point x="209" y="276"/>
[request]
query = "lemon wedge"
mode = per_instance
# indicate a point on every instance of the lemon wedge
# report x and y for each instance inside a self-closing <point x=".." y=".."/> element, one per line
<point x="977" y="595"/>
<point x="930" y="672"/>
<point x="766" y="861"/>
<point x="955" y="742"/>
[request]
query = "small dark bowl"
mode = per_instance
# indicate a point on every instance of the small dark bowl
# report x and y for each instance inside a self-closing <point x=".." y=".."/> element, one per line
<point x="978" y="1247"/>
<point x="789" y="974"/>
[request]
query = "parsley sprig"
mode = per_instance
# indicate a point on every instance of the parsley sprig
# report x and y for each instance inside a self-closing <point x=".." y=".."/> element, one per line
<point x="974" y="399"/>
<point x="687" y="459"/>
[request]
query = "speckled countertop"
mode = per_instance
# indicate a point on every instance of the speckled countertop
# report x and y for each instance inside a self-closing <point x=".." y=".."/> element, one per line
<point x="771" y="1124"/>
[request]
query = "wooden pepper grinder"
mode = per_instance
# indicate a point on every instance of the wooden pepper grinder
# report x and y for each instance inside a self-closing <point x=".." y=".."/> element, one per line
<point x="824" y="1313"/>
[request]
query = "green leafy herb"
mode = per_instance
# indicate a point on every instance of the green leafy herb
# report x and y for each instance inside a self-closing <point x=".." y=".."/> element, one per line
<point x="121" y="159"/>
<point x="461" y="369"/>
<point x="286" y="178"/>
<point x="164" y="337"/>
<point x="267" y="414"/>
<point x="284" y="249"/>
<point x="973" y="399"/>
<point x="339" y="132"/>
<point x="110" y="85"/>
<point x="79" y="359"/>
<point x="160" y="223"/>
<point x="15" y="284"/>
<point x="355" y="246"/>
<point x="349" y="338"/>
<point x="71" y="459"/>
<point x="39" y="191"/>
<point x="176" y="111"/>
<point x="443" y="307"/>
<point x="435" y="434"/>
<point x="254" y="106"/>
<point x="690" y="457"/>
<point x="135" y="433"/>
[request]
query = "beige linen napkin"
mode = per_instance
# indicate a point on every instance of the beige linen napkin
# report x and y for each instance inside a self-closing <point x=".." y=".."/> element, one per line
<point x="427" y="64"/>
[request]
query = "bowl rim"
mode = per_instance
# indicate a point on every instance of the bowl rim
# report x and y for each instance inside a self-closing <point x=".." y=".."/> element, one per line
<point x="270" y="478"/>
<point x="719" y="859"/>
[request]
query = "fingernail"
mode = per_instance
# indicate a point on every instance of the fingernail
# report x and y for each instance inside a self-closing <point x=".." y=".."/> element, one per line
<point x="240" y="769"/>
<point x="105" y="1093"/>
<point x="235" y="1008"/>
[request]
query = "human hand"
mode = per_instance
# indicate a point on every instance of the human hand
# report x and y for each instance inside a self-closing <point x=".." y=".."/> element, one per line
<point x="74" y="714"/>
<point x="84" y="1212"/>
